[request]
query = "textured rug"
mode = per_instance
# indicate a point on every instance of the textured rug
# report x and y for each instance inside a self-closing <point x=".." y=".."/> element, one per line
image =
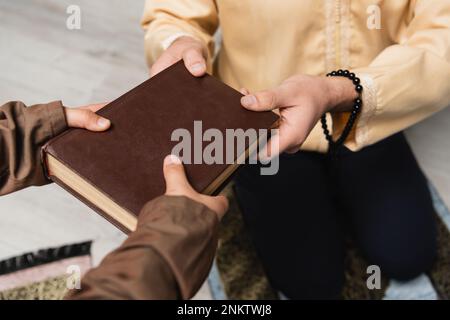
<point x="43" y="275"/>
<point x="242" y="276"/>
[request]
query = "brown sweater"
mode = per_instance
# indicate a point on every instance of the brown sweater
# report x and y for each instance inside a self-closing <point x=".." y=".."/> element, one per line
<point x="167" y="257"/>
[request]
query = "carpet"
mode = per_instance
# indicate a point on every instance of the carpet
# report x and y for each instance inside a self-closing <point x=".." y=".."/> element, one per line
<point x="44" y="275"/>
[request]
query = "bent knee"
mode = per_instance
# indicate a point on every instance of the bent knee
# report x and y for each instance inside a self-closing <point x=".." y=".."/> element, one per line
<point x="407" y="264"/>
<point x="325" y="284"/>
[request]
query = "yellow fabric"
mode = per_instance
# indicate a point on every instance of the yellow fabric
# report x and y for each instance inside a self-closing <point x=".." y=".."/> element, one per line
<point x="404" y="66"/>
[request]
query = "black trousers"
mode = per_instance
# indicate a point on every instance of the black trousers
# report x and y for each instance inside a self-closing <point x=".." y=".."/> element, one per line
<point x="297" y="218"/>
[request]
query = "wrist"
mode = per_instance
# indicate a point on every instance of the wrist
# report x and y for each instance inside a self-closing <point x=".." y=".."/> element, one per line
<point x="185" y="38"/>
<point x="166" y="43"/>
<point x="184" y="43"/>
<point x="188" y="41"/>
<point x="341" y="94"/>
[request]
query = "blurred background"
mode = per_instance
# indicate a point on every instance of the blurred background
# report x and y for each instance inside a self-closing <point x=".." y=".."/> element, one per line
<point x="42" y="60"/>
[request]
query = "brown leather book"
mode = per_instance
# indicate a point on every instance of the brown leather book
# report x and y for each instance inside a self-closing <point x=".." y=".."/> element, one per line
<point x="117" y="171"/>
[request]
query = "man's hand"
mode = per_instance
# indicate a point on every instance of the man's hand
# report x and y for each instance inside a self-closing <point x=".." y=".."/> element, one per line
<point x="86" y="118"/>
<point x="301" y="100"/>
<point x="178" y="185"/>
<point x="192" y="51"/>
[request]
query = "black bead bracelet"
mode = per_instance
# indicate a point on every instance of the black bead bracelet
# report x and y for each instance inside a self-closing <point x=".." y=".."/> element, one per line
<point x="333" y="145"/>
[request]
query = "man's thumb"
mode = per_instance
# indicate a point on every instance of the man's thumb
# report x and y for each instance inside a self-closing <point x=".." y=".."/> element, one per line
<point x="174" y="174"/>
<point x="86" y="119"/>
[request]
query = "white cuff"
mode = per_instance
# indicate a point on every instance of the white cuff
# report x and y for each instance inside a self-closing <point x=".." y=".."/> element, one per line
<point x="168" y="41"/>
<point x="369" y="108"/>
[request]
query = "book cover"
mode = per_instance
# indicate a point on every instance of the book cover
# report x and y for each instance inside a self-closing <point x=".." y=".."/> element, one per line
<point x="117" y="171"/>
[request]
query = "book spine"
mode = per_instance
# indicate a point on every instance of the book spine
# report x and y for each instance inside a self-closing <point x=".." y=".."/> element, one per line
<point x="44" y="151"/>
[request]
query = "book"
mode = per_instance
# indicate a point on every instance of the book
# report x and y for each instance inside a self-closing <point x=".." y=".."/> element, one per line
<point x="117" y="171"/>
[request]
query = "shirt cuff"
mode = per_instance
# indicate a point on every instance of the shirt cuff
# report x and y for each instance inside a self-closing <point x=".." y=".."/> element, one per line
<point x="167" y="42"/>
<point x="56" y="118"/>
<point x="359" y="136"/>
<point x="369" y="108"/>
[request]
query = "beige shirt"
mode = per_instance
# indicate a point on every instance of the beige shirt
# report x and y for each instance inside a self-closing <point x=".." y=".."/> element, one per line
<point x="404" y="65"/>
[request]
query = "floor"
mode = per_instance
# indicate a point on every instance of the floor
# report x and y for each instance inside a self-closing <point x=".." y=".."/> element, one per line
<point x="42" y="60"/>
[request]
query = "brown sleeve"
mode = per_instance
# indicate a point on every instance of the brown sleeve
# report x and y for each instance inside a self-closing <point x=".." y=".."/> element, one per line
<point x="22" y="133"/>
<point x="167" y="257"/>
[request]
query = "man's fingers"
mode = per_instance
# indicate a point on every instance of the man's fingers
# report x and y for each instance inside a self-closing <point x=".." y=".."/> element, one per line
<point x="195" y="61"/>
<point x="165" y="61"/>
<point x="274" y="98"/>
<point x="274" y="147"/>
<point x="86" y="119"/>
<point x="178" y="185"/>
<point x="278" y="143"/>
<point x="265" y="100"/>
<point x="176" y="181"/>
<point x="94" y="107"/>
<point x="292" y="150"/>
<point x="244" y="91"/>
